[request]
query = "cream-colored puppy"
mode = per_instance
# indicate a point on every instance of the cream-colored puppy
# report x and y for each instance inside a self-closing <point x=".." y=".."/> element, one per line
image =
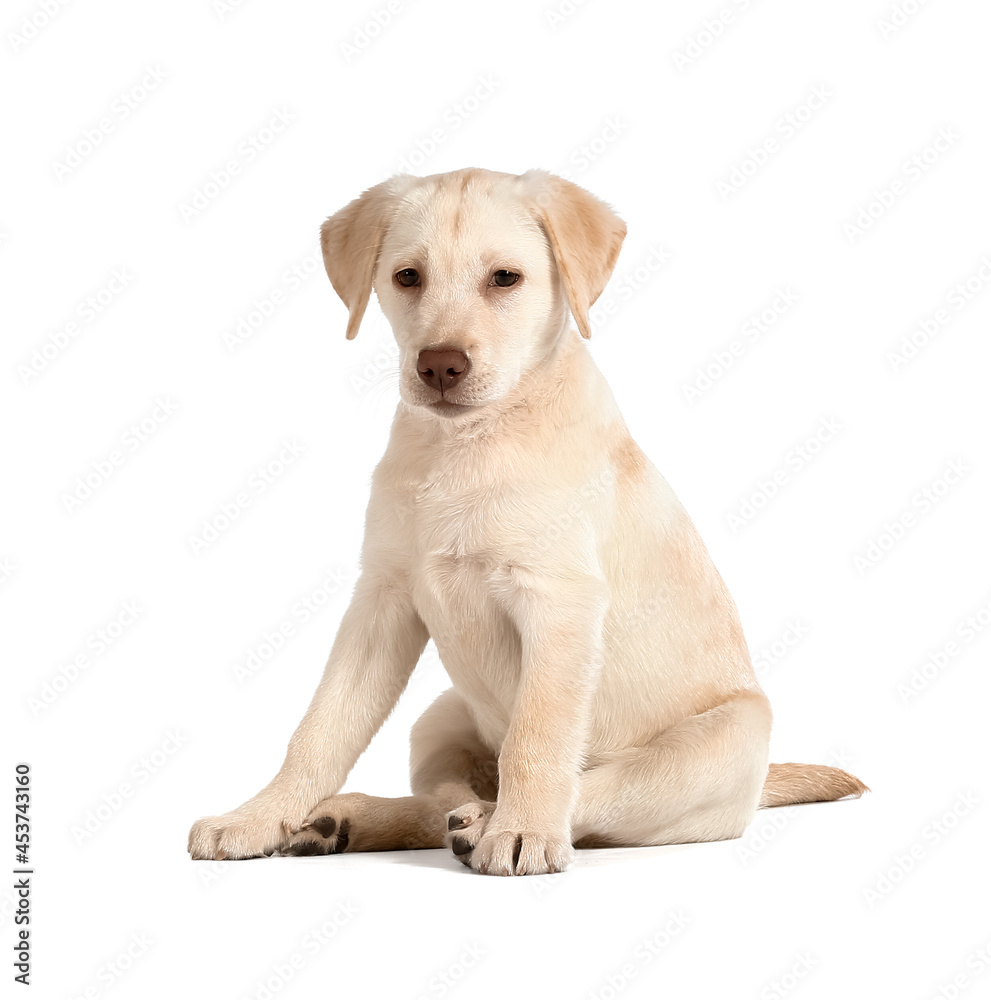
<point x="602" y="689"/>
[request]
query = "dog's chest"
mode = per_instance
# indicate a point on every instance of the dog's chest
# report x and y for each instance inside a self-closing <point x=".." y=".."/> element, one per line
<point x="460" y="575"/>
<point x="458" y="535"/>
<point x="461" y="533"/>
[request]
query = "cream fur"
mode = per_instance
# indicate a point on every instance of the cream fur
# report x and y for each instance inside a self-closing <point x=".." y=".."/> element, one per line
<point x="602" y="688"/>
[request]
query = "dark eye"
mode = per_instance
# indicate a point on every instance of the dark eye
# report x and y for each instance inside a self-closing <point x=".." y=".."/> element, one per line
<point x="505" y="278"/>
<point x="408" y="277"/>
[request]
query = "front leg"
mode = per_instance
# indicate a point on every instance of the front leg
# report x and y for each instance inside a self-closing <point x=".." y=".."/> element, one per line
<point x="380" y="639"/>
<point x="529" y="832"/>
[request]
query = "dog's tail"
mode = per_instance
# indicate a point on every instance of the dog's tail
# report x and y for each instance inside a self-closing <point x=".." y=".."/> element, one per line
<point x="789" y="784"/>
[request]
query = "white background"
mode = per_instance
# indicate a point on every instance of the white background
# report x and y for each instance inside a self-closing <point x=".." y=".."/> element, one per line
<point x="885" y="896"/>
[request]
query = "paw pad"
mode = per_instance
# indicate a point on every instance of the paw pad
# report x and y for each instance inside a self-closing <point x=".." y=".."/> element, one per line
<point x="333" y="838"/>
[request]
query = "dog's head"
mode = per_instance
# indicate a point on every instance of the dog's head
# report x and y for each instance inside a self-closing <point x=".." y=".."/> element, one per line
<point x="476" y="271"/>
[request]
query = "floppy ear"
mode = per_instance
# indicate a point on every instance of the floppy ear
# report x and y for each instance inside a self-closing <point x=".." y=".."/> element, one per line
<point x="585" y="236"/>
<point x="351" y="240"/>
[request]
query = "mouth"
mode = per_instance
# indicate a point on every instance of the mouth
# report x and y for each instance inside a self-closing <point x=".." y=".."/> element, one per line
<point x="445" y="409"/>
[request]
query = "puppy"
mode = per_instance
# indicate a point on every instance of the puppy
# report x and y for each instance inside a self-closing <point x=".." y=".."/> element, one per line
<point x="602" y="692"/>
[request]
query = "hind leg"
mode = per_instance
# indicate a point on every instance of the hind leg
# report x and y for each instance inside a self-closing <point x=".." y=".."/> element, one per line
<point x="449" y="766"/>
<point x="700" y="780"/>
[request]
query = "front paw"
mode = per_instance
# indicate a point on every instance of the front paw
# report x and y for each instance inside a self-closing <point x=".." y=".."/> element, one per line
<point x="327" y="829"/>
<point x="483" y="844"/>
<point x="246" y="832"/>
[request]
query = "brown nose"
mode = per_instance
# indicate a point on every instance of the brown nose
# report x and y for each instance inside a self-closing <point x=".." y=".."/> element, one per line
<point x="442" y="370"/>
